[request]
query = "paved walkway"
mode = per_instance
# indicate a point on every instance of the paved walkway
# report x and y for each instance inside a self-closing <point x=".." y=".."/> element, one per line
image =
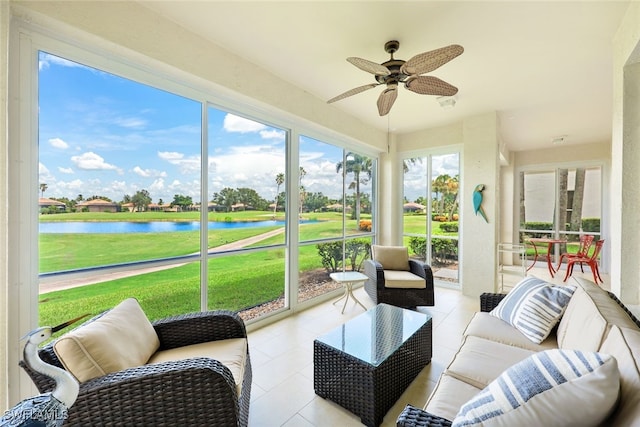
<point x="53" y="285"/>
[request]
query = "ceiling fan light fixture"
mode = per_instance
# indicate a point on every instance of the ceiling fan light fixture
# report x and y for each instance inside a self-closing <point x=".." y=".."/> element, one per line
<point x="447" y="102"/>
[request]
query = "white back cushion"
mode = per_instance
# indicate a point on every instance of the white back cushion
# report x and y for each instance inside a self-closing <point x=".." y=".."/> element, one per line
<point x="122" y="338"/>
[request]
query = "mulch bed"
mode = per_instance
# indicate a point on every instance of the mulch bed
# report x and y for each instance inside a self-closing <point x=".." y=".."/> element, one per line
<point x="312" y="284"/>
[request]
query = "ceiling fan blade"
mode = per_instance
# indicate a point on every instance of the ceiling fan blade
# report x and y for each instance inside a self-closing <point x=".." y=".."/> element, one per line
<point x="429" y="61"/>
<point x="429" y="85"/>
<point x="369" y="66"/>
<point x="386" y="100"/>
<point x="353" y="91"/>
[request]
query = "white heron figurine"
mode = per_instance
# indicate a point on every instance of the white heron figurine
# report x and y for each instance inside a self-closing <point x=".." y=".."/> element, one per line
<point x="48" y="409"/>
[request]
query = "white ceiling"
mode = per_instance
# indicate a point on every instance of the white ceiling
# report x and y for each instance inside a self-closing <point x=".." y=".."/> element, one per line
<point x="545" y="67"/>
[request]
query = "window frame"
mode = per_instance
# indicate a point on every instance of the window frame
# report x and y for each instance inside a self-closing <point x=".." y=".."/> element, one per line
<point x="554" y="168"/>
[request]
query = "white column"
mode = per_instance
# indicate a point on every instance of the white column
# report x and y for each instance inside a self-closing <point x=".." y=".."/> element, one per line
<point x="481" y="165"/>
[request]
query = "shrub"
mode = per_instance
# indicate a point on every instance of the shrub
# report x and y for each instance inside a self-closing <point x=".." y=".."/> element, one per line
<point x="356" y="251"/>
<point x="330" y="255"/>
<point x="591" y="225"/>
<point x="418" y="245"/>
<point x="365" y="225"/>
<point x="449" y="227"/>
<point x="443" y="251"/>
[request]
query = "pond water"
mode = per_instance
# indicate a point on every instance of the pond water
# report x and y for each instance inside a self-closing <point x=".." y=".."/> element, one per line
<point x="147" y="227"/>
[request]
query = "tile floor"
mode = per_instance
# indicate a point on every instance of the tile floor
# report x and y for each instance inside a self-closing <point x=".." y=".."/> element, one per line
<point x="282" y="360"/>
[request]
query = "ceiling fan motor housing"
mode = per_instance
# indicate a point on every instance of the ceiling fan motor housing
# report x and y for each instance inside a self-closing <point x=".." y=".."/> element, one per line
<point x="394" y="68"/>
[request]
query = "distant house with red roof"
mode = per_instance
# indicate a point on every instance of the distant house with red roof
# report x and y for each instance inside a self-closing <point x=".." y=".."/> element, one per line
<point x="98" y="205"/>
<point x="45" y="203"/>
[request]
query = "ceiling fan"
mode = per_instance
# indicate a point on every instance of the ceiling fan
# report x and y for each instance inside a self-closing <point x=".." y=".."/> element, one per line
<point x="396" y="71"/>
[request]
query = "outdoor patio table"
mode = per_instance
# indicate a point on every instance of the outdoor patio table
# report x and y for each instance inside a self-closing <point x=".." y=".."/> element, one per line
<point x="535" y="242"/>
<point x="348" y="279"/>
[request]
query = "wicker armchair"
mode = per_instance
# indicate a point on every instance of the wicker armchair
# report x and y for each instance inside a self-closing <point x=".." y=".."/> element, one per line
<point x="400" y="297"/>
<point x="197" y="391"/>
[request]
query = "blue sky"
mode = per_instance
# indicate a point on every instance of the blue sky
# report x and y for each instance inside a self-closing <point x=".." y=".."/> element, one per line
<point x="100" y="134"/>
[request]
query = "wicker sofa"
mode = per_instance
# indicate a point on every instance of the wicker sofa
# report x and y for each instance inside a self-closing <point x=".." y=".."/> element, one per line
<point x="594" y="321"/>
<point x="200" y="374"/>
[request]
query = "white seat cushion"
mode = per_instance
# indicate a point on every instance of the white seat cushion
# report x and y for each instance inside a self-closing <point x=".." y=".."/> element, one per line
<point x="480" y="361"/>
<point x="403" y="280"/>
<point x="122" y="338"/>
<point x="449" y="396"/>
<point x="232" y="353"/>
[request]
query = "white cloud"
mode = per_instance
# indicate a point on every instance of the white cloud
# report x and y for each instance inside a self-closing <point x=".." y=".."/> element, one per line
<point x="189" y="165"/>
<point x="77" y="185"/>
<point x="276" y="134"/>
<point x="92" y="161"/>
<point x="170" y="156"/>
<point x="141" y="172"/>
<point x="58" y="143"/>
<point x="45" y="176"/>
<point x="46" y="59"/>
<point x="156" y="186"/>
<point x="148" y="173"/>
<point x="130" y="122"/>
<point x="65" y="170"/>
<point x="234" y="123"/>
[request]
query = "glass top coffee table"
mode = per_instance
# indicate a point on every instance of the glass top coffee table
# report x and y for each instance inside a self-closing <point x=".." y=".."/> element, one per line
<point x="365" y="364"/>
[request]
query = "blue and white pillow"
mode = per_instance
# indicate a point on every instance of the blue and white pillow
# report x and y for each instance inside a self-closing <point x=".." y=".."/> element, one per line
<point x="549" y="388"/>
<point x="534" y="307"/>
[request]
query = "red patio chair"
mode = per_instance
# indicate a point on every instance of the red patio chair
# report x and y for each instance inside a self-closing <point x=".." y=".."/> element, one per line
<point x="591" y="261"/>
<point x="583" y="250"/>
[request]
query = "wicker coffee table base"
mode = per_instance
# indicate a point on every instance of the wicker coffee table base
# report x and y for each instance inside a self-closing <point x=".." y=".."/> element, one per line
<point x="366" y="390"/>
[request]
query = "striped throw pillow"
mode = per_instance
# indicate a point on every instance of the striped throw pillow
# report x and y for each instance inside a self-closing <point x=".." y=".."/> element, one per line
<point x="549" y="388"/>
<point x="534" y="307"/>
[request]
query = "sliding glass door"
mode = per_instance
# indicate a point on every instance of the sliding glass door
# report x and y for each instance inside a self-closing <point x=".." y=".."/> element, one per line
<point x="561" y="203"/>
<point x="431" y="212"/>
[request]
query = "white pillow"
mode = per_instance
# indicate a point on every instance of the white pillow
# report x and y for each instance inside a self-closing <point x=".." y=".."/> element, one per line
<point x="534" y="307"/>
<point x="550" y="388"/>
<point x="392" y="257"/>
<point x="122" y="338"/>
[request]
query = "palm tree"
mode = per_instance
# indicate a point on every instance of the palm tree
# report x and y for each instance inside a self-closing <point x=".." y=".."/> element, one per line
<point x="357" y="165"/>
<point x="43" y="188"/>
<point x="440" y="187"/>
<point x="452" y="188"/>
<point x="279" y="182"/>
<point x="302" y="174"/>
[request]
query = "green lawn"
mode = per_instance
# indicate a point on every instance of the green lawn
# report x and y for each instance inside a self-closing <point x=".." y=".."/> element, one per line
<point x="235" y="281"/>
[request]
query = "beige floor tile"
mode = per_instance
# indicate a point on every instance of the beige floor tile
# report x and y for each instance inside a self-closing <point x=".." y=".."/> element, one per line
<point x="297" y="421"/>
<point x="322" y="412"/>
<point x="282" y="402"/>
<point x="283" y="354"/>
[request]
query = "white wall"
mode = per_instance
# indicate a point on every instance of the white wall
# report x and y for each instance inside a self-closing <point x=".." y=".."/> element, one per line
<point x="4" y="86"/>
<point x="625" y="158"/>
<point x="481" y="165"/>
